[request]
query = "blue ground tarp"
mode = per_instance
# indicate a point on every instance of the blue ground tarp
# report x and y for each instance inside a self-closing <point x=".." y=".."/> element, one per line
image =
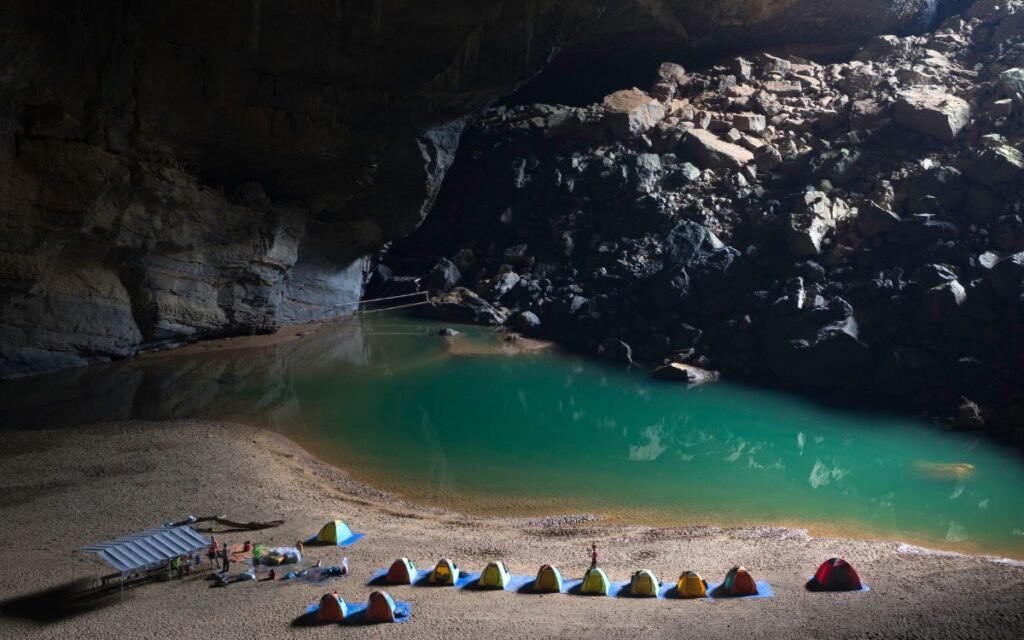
<point x="524" y="584"/>
<point x="347" y="542"/>
<point x="356" y="614"/>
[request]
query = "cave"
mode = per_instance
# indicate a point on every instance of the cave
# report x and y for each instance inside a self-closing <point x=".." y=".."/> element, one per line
<point x="728" y="290"/>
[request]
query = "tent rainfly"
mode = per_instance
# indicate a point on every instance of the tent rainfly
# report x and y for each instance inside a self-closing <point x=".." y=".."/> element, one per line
<point x="148" y="549"/>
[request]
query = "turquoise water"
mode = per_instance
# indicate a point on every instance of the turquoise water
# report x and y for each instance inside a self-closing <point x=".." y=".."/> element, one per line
<point x="458" y="423"/>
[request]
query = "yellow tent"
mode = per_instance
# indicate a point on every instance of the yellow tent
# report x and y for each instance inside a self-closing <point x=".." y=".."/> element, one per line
<point x="549" y="580"/>
<point x="334" y="532"/>
<point x="644" y="584"/>
<point x="595" y="582"/>
<point x="691" y="585"/>
<point x="445" y="572"/>
<point x="494" y="576"/>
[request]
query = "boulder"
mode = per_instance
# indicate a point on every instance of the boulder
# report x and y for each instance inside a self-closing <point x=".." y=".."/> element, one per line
<point x="813" y="217"/>
<point x="444" y="277"/>
<point x="1011" y="83"/>
<point x="749" y="122"/>
<point x="462" y="305"/>
<point x="815" y="343"/>
<point x="685" y="336"/>
<point x="631" y="111"/>
<point x="1008" y="274"/>
<point x="668" y="79"/>
<point x="679" y="372"/>
<point x="690" y="242"/>
<point x="500" y="285"/>
<point x="1001" y="163"/>
<point x="943" y="300"/>
<point x="709" y="151"/>
<point x="932" y="111"/>
<point x="874" y="219"/>
<point x="969" y="415"/>
<point x="527" y="321"/>
<point x="615" y="350"/>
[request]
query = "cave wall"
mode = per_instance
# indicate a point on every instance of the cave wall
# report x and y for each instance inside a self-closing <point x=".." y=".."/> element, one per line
<point x="177" y="170"/>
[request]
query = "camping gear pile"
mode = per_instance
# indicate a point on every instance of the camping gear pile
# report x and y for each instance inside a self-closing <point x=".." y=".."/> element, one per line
<point x="276" y="556"/>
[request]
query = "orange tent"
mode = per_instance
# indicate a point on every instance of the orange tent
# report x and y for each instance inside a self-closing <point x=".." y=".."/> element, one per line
<point x="402" y="571"/>
<point x="381" y="607"/>
<point x="738" y="582"/>
<point x="332" y="608"/>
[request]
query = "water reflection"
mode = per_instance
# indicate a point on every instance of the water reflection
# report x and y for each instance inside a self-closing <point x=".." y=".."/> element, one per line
<point x="238" y="381"/>
<point x="469" y="422"/>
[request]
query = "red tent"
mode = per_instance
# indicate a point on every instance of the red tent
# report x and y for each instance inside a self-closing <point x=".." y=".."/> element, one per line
<point x="835" y="574"/>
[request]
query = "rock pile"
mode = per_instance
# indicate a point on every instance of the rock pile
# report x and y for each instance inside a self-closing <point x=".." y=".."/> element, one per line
<point x="853" y="226"/>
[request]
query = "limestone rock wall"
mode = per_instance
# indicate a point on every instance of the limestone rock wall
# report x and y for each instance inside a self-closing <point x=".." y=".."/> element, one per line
<point x="177" y="170"/>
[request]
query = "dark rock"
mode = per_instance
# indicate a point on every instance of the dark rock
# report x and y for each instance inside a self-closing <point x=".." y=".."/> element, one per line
<point x="932" y="111"/>
<point x="527" y="321"/>
<point x="969" y="415"/>
<point x="942" y="301"/>
<point x="443" y="277"/>
<point x="654" y="348"/>
<point x="1001" y="163"/>
<point x="631" y="112"/>
<point x="1007" y="276"/>
<point x="500" y="285"/>
<point x="688" y="242"/>
<point x="815" y="343"/>
<point x="679" y="372"/>
<point x="462" y="305"/>
<point x="448" y="332"/>
<point x="1011" y="83"/>
<point x="709" y="151"/>
<point x="874" y="219"/>
<point x="615" y="350"/>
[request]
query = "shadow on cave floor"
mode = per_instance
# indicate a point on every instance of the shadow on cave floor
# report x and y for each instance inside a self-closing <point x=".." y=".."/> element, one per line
<point x="61" y="602"/>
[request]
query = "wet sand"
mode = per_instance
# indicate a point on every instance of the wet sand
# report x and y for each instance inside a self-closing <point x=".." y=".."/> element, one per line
<point x="63" y="489"/>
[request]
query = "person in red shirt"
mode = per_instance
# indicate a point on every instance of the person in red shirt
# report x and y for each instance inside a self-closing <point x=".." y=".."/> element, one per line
<point x="214" y="553"/>
<point x="593" y="555"/>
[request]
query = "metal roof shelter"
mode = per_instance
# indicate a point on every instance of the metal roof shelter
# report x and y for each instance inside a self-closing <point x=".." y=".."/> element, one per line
<point x="148" y="549"/>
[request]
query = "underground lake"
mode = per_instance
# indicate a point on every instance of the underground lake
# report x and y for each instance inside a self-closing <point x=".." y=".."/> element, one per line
<point x="476" y="425"/>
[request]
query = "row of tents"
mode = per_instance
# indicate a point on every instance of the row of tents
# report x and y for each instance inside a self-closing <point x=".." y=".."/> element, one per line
<point x="380" y="607"/>
<point x="834" y="574"/>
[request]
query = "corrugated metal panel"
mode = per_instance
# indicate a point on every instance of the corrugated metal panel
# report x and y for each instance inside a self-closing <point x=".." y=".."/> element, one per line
<point x="148" y="549"/>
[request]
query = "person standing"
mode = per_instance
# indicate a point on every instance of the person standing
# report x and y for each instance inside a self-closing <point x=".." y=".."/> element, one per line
<point x="226" y="556"/>
<point x="593" y="555"/>
<point x="214" y="553"/>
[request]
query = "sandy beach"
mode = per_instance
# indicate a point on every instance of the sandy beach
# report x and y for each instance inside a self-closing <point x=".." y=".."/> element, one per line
<point x="64" y="489"/>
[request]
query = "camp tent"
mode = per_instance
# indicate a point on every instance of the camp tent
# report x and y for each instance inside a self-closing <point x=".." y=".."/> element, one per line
<point x="691" y="585"/>
<point x="380" y="607"/>
<point x="445" y="572"/>
<point x="738" y="582"/>
<point x="334" y="532"/>
<point x="835" y="574"/>
<point x="549" y="580"/>
<point x="494" y="576"/>
<point x="595" y="582"/>
<point x="644" y="584"/>
<point x="402" y="571"/>
<point x="332" y="608"/>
